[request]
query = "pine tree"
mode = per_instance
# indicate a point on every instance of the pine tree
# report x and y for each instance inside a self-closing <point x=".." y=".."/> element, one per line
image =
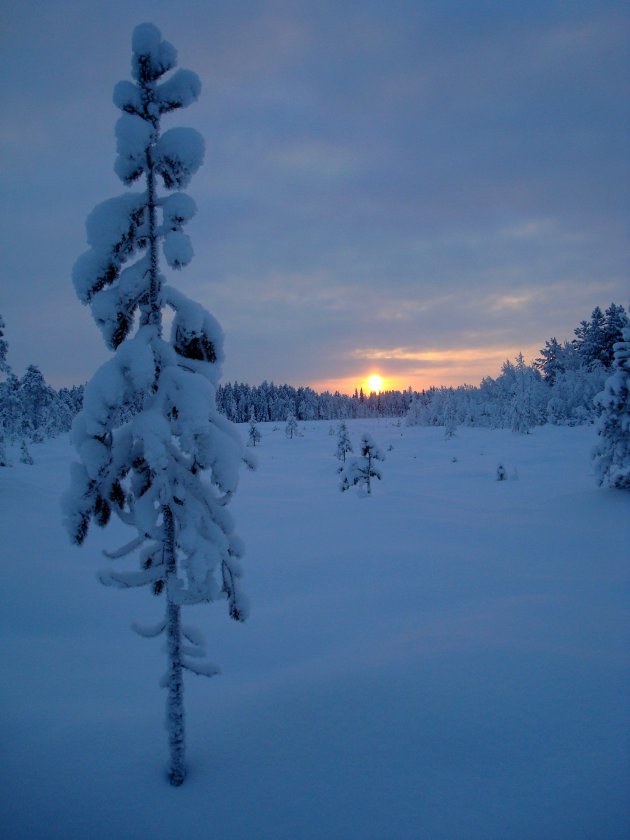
<point x="291" y="428"/>
<point x="522" y="398"/>
<point x="450" y="416"/>
<point x="25" y="455"/>
<point x="590" y="338"/>
<point x="168" y="472"/>
<point x="254" y="435"/>
<point x="5" y="369"/>
<point x="612" y="455"/>
<point x="37" y="399"/>
<point x="361" y="470"/>
<point x="344" y="445"/>
<point x="551" y="361"/>
<point x="615" y="321"/>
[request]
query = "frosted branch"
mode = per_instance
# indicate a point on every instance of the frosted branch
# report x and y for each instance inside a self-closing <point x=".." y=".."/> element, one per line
<point x="124" y="550"/>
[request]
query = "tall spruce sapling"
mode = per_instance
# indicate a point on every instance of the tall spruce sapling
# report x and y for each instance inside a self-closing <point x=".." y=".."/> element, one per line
<point x="612" y="454"/>
<point x="362" y="469"/>
<point x="450" y="417"/>
<point x="253" y="434"/>
<point x="344" y="445"/>
<point x="170" y="471"/>
<point x="291" y="429"/>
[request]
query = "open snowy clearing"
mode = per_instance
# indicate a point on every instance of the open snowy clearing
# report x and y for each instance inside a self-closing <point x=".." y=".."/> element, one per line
<point x="444" y="659"/>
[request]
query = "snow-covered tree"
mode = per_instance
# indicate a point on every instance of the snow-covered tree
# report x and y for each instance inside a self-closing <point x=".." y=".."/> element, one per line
<point x="37" y="399"/>
<point x="612" y="454"/>
<point x="25" y="455"/>
<point x="253" y="434"/>
<point x="344" y="444"/>
<point x="4" y="348"/>
<point x="551" y="360"/>
<point x="4" y="369"/>
<point x="615" y="321"/>
<point x="291" y="428"/>
<point x="450" y="416"/>
<point x="362" y="469"/>
<point x="522" y="408"/>
<point x="169" y="471"/>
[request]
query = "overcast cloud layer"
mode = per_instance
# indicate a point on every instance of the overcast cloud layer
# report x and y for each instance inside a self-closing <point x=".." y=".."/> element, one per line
<point x="416" y="188"/>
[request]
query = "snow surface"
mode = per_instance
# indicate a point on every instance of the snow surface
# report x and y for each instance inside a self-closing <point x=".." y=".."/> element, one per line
<point x="444" y="659"/>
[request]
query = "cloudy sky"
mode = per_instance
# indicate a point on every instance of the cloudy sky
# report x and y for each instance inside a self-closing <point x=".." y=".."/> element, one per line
<point x="419" y="189"/>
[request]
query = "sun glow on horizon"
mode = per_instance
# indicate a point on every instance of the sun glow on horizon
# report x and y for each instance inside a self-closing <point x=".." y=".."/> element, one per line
<point x="375" y="383"/>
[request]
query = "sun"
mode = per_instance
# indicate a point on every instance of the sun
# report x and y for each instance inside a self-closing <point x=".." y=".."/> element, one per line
<point x="375" y="383"/>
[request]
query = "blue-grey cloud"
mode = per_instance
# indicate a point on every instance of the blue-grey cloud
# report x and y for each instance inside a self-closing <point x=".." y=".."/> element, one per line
<point x="429" y="175"/>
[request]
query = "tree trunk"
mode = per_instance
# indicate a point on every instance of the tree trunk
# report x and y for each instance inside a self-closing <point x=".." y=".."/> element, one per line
<point x="175" y="700"/>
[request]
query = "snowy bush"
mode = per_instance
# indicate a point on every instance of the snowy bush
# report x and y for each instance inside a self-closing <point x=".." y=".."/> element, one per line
<point x="361" y="470"/>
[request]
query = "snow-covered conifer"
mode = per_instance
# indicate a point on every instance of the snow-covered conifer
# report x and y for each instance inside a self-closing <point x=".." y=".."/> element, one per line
<point x="362" y="469"/>
<point x="612" y="454"/>
<point x="169" y="471"/>
<point x="4" y="348"/>
<point x="37" y="400"/>
<point x="25" y="455"/>
<point x="450" y="416"/>
<point x="291" y="428"/>
<point x="523" y="414"/>
<point x="253" y="434"/>
<point x="4" y="369"/>
<point x="344" y="445"/>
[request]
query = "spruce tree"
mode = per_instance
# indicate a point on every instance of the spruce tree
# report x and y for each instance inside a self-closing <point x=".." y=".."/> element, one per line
<point x="344" y="445"/>
<point x="291" y="428"/>
<point x="612" y="455"/>
<point x="5" y="369"/>
<point x="253" y="434"/>
<point x="169" y="471"/>
<point x="361" y="470"/>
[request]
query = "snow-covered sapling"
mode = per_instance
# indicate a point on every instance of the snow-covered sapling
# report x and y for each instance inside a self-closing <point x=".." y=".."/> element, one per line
<point x="450" y="417"/>
<point x="25" y="455"/>
<point x="5" y="369"/>
<point x="612" y="454"/>
<point x="253" y="435"/>
<point x="362" y="469"/>
<point x="169" y="472"/>
<point x="344" y="445"/>
<point x="291" y="428"/>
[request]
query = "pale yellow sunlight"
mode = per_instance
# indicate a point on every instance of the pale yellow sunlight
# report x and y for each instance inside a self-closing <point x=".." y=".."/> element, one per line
<point x="375" y="383"/>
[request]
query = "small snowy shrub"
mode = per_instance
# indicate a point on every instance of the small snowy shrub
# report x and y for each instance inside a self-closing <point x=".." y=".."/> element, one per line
<point x="362" y="469"/>
<point x="169" y="471"/>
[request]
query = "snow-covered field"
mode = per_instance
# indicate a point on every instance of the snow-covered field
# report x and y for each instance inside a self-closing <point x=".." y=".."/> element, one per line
<point x="444" y="659"/>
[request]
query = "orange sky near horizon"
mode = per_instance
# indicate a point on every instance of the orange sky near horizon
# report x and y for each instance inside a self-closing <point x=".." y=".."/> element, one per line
<point x="401" y="368"/>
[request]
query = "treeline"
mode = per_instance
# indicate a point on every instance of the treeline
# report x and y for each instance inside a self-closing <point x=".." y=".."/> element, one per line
<point x="240" y="403"/>
<point x="558" y="387"/>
